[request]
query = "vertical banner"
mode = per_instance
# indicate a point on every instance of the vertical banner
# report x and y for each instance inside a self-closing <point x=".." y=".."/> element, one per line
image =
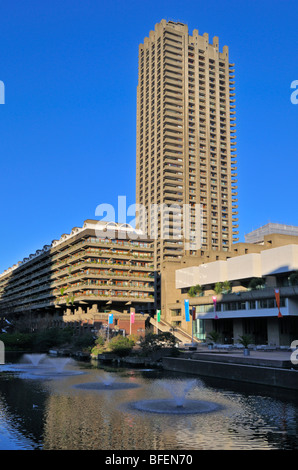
<point x="193" y="311"/>
<point x="277" y="298"/>
<point x="132" y="319"/>
<point x="186" y="308"/>
<point x="193" y="316"/>
<point x="214" y="306"/>
<point x="158" y="315"/>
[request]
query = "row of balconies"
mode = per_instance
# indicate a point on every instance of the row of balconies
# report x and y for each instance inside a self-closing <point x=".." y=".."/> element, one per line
<point x="16" y="281"/>
<point x="108" y="283"/>
<point x="52" y="271"/>
<point x="47" y="260"/>
<point x="106" y="254"/>
<point x="95" y="273"/>
<point x="35" y="294"/>
<point x="50" y="283"/>
<point x="109" y="296"/>
<point x="23" y="292"/>
<point x="95" y="242"/>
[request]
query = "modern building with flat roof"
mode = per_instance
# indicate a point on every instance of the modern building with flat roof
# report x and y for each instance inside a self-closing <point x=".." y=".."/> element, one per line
<point x="97" y="269"/>
<point x="257" y="236"/>
<point x="236" y="292"/>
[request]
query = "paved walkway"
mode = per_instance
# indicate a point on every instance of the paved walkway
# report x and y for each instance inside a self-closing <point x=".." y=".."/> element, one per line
<point x="279" y="355"/>
<point x="272" y="358"/>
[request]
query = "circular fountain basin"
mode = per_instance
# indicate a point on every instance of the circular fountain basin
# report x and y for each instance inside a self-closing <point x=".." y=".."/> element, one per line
<point x="39" y="365"/>
<point x="56" y="373"/>
<point x="103" y="386"/>
<point x="169" y="406"/>
<point x="30" y="361"/>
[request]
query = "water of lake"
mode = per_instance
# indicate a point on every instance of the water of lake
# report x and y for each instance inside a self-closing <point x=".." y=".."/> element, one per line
<point x="82" y="406"/>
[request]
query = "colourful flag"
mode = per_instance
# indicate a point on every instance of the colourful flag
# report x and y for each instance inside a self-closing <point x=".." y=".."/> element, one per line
<point x="186" y="308"/>
<point x="111" y="319"/>
<point x="194" y="313"/>
<point x="158" y="315"/>
<point x="132" y="317"/>
<point x="277" y="298"/>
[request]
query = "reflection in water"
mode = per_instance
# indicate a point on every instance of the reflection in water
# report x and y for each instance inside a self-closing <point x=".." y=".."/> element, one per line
<point x="66" y="414"/>
<point x="21" y="412"/>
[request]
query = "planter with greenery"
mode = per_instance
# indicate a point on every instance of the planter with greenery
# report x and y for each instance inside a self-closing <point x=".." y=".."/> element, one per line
<point x="293" y="278"/>
<point x="213" y="337"/>
<point x="256" y="283"/>
<point x="195" y="290"/>
<point x="223" y="287"/>
<point x="226" y="287"/>
<point x="218" y="288"/>
<point x="245" y="340"/>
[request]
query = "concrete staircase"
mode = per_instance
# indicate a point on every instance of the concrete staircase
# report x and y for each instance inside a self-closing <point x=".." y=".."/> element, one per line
<point x="180" y="335"/>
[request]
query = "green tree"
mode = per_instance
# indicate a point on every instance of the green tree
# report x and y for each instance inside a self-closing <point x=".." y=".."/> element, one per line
<point x="213" y="336"/>
<point x="256" y="283"/>
<point x="70" y="300"/>
<point x="293" y="278"/>
<point x="99" y="346"/>
<point x="121" y="345"/>
<point x="245" y="340"/>
<point x="84" y="341"/>
<point x="226" y="287"/>
<point x="195" y="290"/>
<point x="153" y="342"/>
<point x="218" y="288"/>
<point x="52" y="337"/>
<point x="18" y="341"/>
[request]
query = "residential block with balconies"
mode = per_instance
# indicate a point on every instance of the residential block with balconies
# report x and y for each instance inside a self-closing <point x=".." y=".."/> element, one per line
<point x="186" y="149"/>
<point x="95" y="270"/>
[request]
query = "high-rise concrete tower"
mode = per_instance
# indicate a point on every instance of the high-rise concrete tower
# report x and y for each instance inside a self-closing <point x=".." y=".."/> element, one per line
<point x="186" y="142"/>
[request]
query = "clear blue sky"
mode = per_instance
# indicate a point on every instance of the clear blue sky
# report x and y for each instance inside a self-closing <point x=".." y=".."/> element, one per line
<point x="67" y="136"/>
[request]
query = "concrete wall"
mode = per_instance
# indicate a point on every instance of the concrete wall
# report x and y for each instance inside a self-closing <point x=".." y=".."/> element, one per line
<point x="273" y="331"/>
<point x="243" y="267"/>
<point x="280" y="259"/>
<point x="267" y="262"/>
<point x="240" y="372"/>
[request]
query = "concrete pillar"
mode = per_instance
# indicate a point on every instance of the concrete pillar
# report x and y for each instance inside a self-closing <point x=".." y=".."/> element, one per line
<point x="208" y="327"/>
<point x="78" y="311"/>
<point x="271" y="281"/>
<point x="237" y="329"/>
<point x="273" y="332"/>
<point x="94" y="308"/>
